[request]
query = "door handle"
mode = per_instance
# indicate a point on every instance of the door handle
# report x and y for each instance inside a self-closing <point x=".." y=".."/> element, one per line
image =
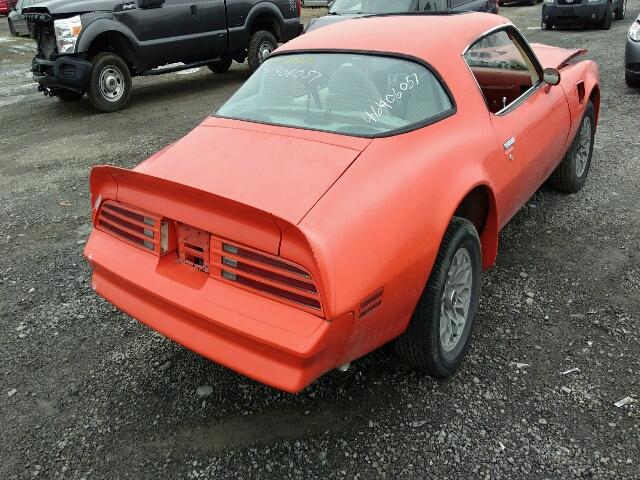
<point x="508" y="147"/>
<point x="194" y="10"/>
<point x="509" y="143"/>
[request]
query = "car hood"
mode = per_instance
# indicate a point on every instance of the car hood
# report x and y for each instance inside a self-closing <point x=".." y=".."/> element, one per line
<point x="57" y="7"/>
<point x="316" y="23"/>
<point x="278" y="170"/>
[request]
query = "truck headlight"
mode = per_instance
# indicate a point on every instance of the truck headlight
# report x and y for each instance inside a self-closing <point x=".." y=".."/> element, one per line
<point x="67" y="32"/>
<point x="634" y="31"/>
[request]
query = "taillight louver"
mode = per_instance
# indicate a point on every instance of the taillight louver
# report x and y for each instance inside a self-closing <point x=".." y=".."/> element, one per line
<point x="135" y="226"/>
<point x="268" y="275"/>
<point x="371" y="303"/>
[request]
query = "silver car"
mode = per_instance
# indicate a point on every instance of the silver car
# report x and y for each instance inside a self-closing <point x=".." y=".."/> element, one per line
<point x="632" y="55"/>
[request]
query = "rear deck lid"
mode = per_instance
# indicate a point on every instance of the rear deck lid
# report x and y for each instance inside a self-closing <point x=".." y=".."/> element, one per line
<point x="279" y="170"/>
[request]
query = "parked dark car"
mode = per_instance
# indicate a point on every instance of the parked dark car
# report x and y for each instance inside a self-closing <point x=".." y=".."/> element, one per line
<point x="590" y="13"/>
<point x="96" y="46"/>
<point x="632" y="55"/>
<point x="345" y="9"/>
<point x="17" y="21"/>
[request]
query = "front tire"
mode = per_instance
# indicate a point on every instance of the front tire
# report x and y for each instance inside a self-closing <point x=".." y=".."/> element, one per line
<point x="109" y="83"/>
<point x="261" y="45"/>
<point x="12" y="29"/>
<point x="571" y="175"/>
<point x="547" y="26"/>
<point x="608" y="17"/>
<point x="439" y="333"/>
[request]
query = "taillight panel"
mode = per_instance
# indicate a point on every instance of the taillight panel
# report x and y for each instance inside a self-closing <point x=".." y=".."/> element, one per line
<point x="259" y="272"/>
<point x="242" y="266"/>
<point x="145" y="230"/>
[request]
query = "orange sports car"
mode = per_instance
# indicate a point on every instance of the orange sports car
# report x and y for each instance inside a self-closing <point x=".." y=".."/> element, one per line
<point x="350" y="193"/>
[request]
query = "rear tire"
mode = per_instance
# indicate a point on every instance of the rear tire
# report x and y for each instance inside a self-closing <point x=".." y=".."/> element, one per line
<point x="261" y="45"/>
<point x="532" y="3"/>
<point x="109" y="83"/>
<point x="69" y="96"/>
<point x="221" y="66"/>
<point x="621" y="11"/>
<point x="571" y="175"/>
<point x="608" y="17"/>
<point x="547" y="26"/>
<point x="631" y="82"/>
<point x="12" y="29"/>
<point x="429" y="343"/>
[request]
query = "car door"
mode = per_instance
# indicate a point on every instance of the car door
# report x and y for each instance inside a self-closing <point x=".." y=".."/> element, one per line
<point x="531" y="119"/>
<point x="178" y="30"/>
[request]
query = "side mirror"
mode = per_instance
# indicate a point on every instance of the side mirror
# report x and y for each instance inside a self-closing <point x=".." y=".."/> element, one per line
<point x="150" y="3"/>
<point x="551" y="76"/>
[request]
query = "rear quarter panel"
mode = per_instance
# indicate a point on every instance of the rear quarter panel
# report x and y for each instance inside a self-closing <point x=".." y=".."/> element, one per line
<point x="583" y="73"/>
<point x="381" y="224"/>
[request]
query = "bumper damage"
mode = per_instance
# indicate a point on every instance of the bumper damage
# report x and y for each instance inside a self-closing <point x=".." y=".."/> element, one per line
<point x="65" y="72"/>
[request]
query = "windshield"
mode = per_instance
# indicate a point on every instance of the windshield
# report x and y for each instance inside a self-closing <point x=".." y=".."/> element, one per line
<point x="354" y="94"/>
<point x="346" y="7"/>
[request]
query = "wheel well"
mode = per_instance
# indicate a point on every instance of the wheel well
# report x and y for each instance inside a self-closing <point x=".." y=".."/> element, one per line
<point x="267" y="21"/>
<point x="479" y="207"/>
<point x="594" y="96"/>
<point x="115" y="42"/>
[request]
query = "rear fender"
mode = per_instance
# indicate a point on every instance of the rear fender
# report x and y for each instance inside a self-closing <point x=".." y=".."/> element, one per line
<point x="578" y="82"/>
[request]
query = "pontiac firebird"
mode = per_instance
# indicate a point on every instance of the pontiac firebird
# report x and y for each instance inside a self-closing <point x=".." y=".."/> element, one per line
<point x="349" y="194"/>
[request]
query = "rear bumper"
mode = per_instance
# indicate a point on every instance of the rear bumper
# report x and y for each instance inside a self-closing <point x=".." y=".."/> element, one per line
<point x="270" y="342"/>
<point x="65" y="72"/>
<point x="583" y="14"/>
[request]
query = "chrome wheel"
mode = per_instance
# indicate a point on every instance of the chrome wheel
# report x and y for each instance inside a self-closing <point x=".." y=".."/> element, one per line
<point x="264" y="51"/>
<point x="111" y="83"/>
<point x="456" y="297"/>
<point x="584" y="147"/>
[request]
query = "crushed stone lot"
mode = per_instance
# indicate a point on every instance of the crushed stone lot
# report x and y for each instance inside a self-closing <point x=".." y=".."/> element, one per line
<point x="86" y="392"/>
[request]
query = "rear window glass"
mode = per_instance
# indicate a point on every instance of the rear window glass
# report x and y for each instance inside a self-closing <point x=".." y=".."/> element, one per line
<point x="354" y="94"/>
<point x="354" y="7"/>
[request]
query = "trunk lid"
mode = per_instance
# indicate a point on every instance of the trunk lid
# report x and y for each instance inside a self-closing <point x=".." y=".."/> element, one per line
<point x="555" y="57"/>
<point x="278" y="170"/>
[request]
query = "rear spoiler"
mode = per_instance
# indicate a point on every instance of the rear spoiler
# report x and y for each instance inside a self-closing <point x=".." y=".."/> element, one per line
<point x="198" y="208"/>
<point x="555" y="57"/>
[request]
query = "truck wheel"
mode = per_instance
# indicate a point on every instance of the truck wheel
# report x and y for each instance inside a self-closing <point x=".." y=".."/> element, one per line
<point x="69" y="96"/>
<point x="12" y="29"/>
<point x="608" y="17"/>
<point x="631" y="82"/>
<point x="109" y="83"/>
<point x="221" y="66"/>
<point x="439" y="332"/>
<point x="261" y="45"/>
<point x="571" y="175"/>
<point x="547" y="25"/>
<point x="622" y="10"/>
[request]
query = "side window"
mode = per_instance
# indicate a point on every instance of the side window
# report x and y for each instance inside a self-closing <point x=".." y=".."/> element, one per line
<point x="503" y="69"/>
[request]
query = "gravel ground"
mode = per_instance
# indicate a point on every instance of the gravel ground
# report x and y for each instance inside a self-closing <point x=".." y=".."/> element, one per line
<point x="88" y="393"/>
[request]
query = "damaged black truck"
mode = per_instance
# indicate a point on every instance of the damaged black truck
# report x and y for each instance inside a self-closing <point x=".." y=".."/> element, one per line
<point x="95" y="47"/>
